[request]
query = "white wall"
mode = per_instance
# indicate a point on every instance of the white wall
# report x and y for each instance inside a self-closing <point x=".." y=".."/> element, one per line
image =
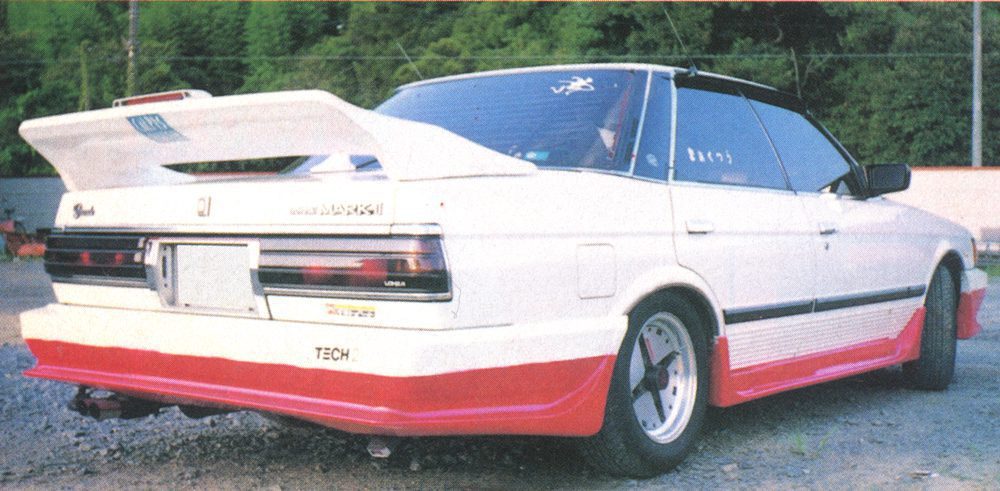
<point x="964" y="195"/>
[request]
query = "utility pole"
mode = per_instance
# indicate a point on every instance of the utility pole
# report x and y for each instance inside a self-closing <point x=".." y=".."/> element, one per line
<point x="133" y="27"/>
<point x="977" y="84"/>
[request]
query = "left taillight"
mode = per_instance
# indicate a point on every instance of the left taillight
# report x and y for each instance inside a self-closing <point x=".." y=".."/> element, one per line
<point x="401" y="268"/>
<point x="92" y="258"/>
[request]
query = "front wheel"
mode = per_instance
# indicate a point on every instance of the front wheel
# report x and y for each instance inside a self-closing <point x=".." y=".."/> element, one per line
<point x="936" y="365"/>
<point x="658" y="395"/>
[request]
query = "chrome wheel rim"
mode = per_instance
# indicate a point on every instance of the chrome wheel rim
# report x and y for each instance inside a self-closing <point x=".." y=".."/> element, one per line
<point x="663" y="377"/>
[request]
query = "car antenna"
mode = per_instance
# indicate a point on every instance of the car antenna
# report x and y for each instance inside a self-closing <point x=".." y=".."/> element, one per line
<point x="408" y="60"/>
<point x="693" y="69"/>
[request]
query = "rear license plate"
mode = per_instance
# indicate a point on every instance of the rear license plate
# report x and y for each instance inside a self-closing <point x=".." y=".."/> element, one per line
<point x="214" y="277"/>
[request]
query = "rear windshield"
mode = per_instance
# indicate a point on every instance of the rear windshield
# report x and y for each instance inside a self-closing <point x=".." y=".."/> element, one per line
<point x="576" y="118"/>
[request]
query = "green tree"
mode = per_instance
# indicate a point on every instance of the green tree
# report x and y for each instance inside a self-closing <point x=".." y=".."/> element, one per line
<point x="61" y="57"/>
<point x="914" y="108"/>
<point x="201" y="44"/>
<point x="268" y="35"/>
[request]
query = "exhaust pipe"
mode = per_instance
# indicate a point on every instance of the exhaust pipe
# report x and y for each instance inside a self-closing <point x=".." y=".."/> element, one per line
<point x="111" y="407"/>
<point x="381" y="447"/>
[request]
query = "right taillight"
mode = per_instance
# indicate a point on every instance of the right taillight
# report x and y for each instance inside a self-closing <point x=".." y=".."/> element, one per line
<point x="404" y="268"/>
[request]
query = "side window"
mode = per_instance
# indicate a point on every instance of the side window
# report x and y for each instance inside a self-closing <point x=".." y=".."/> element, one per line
<point x="654" y="148"/>
<point x="720" y="141"/>
<point x="811" y="160"/>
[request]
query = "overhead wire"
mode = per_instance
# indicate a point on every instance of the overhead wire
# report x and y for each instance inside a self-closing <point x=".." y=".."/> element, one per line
<point x="401" y="58"/>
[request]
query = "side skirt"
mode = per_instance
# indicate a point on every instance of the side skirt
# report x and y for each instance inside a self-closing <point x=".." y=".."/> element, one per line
<point x="731" y="387"/>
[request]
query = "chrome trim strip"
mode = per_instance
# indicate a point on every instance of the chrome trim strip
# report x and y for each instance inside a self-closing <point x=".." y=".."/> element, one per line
<point x="770" y="141"/>
<point x="154" y="248"/>
<point x="731" y="187"/>
<point x="416" y="229"/>
<point x="100" y="281"/>
<point x="302" y="292"/>
<point x="242" y="230"/>
<point x="673" y="131"/>
<point x="642" y="123"/>
<point x="589" y="170"/>
<point x="539" y="69"/>
<point x="165" y="247"/>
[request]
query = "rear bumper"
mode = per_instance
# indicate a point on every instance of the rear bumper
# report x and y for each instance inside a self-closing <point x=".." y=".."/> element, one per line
<point x="974" y="282"/>
<point x="544" y="379"/>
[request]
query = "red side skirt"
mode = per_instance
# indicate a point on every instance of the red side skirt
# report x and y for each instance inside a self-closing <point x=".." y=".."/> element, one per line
<point x="731" y="387"/>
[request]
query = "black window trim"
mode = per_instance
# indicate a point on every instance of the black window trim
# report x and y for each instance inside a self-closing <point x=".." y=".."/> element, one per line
<point x="774" y="148"/>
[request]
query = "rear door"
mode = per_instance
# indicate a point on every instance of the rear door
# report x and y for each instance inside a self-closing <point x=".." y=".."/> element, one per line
<point x="736" y="222"/>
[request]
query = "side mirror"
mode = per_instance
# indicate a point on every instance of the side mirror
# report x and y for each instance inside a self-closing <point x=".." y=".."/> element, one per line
<point x="887" y="178"/>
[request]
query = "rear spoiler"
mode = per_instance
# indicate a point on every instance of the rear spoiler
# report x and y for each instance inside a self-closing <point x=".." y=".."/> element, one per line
<point x="129" y="145"/>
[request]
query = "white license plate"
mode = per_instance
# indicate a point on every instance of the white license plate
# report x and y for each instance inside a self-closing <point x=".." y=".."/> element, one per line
<point x="215" y="277"/>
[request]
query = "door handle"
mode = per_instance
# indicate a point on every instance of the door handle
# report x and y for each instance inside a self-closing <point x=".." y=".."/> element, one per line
<point x="827" y="228"/>
<point x="700" y="226"/>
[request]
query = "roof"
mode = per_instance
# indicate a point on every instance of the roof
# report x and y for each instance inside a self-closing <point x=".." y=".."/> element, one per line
<point x="585" y="66"/>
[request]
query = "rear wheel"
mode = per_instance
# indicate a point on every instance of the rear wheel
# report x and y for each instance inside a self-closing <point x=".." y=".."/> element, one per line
<point x="936" y="365"/>
<point x="658" y="395"/>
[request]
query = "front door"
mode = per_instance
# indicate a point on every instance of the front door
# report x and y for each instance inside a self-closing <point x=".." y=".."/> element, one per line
<point x="870" y="273"/>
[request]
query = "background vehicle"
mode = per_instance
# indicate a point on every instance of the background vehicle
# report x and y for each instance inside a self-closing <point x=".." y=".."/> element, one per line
<point x="17" y="241"/>
<point x="598" y="251"/>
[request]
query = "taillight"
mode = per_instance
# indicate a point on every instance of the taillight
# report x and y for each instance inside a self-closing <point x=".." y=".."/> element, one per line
<point x="376" y="267"/>
<point x="91" y="258"/>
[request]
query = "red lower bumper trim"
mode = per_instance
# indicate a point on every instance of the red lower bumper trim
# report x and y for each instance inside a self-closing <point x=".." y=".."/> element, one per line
<point x="731" y="387"/>
<point x="968" y="309"/>
<point x="556" y="398"/>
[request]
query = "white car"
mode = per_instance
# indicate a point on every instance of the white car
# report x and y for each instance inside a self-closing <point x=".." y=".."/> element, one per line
<point x="597" y="251"/>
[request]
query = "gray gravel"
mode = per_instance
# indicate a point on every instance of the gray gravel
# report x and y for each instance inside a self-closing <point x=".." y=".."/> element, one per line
<point x="860" y="432"/>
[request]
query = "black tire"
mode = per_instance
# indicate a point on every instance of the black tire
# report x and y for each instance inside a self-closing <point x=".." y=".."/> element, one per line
<point x="623" y="447"/>
<point x="936" y="365"/>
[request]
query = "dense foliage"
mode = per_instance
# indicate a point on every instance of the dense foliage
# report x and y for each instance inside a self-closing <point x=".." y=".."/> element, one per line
<point x="892" y="81"/>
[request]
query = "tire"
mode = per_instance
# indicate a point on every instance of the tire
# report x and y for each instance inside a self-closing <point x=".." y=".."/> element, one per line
<point x="658" y="395"/>
<point x="936" y="365"/>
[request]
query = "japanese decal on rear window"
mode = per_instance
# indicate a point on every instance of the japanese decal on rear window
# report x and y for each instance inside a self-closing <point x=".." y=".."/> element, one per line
<point x="575" y="84"/>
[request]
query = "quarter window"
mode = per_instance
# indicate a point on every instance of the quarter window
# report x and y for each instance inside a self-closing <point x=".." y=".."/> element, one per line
<point x="720" y="141"/>
<point x="811" y="160"/>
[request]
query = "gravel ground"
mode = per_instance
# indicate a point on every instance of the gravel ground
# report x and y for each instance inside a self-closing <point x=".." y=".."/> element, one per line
<point x="861" y="432"/>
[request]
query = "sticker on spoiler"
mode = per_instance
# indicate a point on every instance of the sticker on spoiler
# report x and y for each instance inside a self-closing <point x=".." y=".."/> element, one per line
<point x="154" y="127"/>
